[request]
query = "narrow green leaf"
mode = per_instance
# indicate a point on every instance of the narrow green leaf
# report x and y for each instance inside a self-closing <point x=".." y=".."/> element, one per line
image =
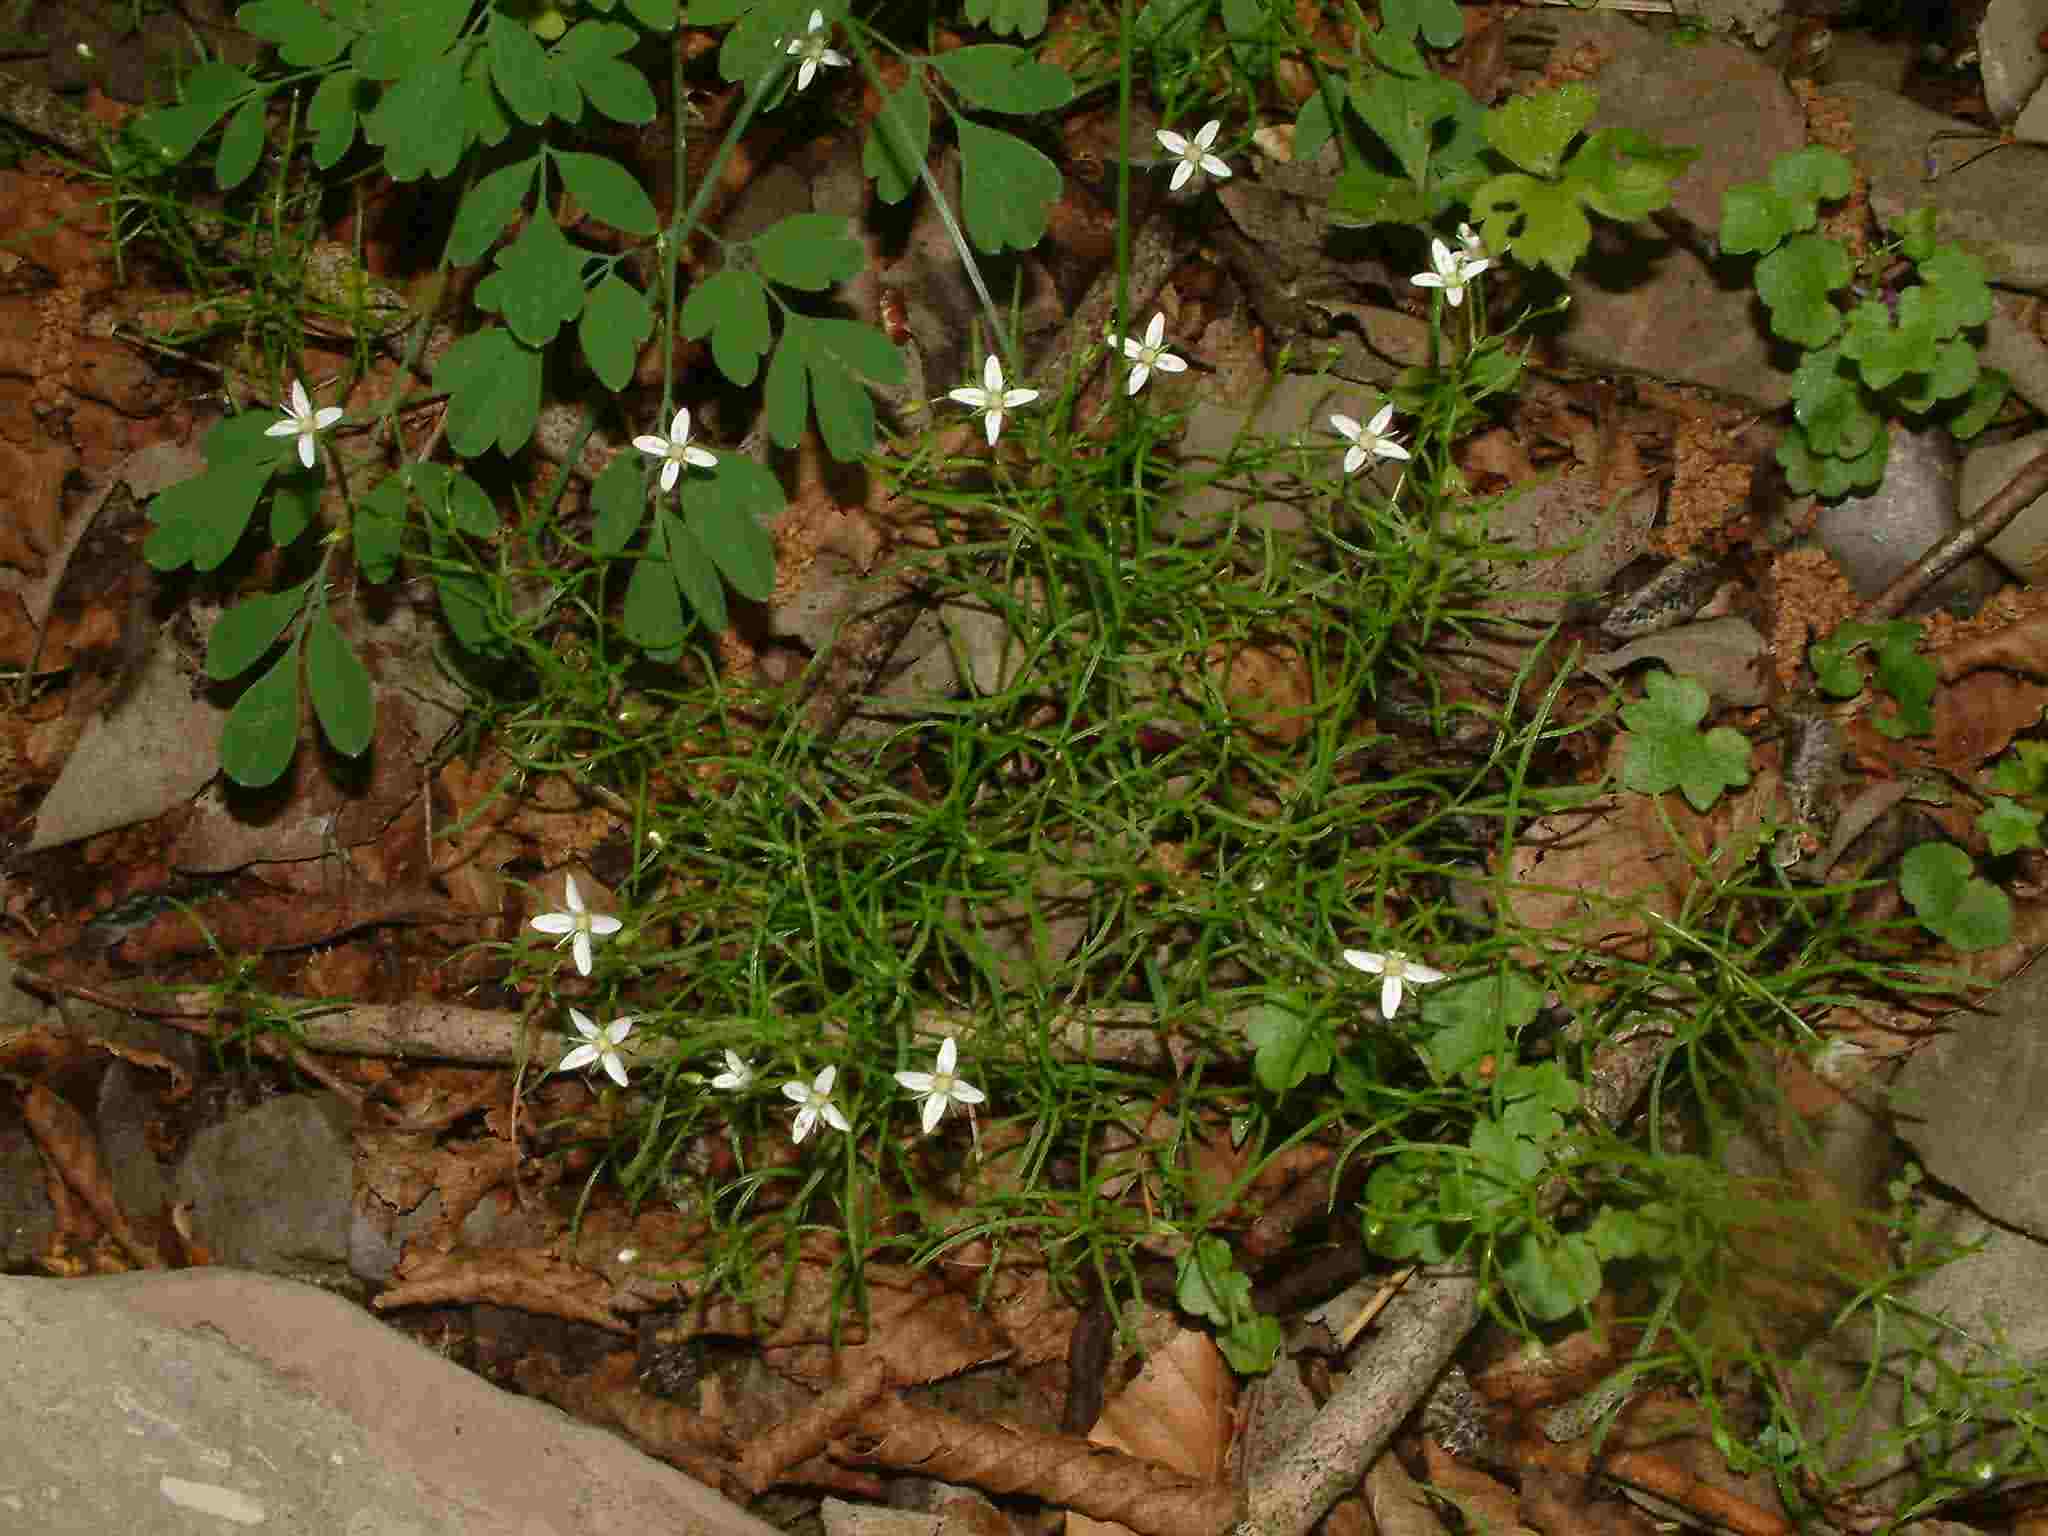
<point x="241" y="144"/>
<point x="294" y="499"/>
<point x="607" y="191"/>
<point x="787" y="395"/>
<point x="811" y="251"/>
<point x="262" y="730"/>
<point x="343" y="700"/>
<point x="620" y="501"/>
<point x="615" y="322"/>
<point x="241" y="635"/>
<point x="331" y="117"/>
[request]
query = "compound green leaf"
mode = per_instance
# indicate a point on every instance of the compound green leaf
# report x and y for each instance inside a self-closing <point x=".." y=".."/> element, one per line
<point x="620" y="500"/>
<point x="211" y="91"/>
<point x="493" y="386"/>
<point x="343" y="700"/>
<point x="1016" y="18"/>
<point x="732" y="308"/>
<point x="1983" y="402"/>
<point x="1008" y="189"/>
<point x="1954" y="371"/>
<point x="305" y="39"/>
<point x="409" y="35"/>
<point x="1404" y="113"/>
<point x="487" y="208"/>
<point x="786" y="396"/>
<point x="1829" y="404"/>
<point x="538" y="286"/>
<point x="422" y="122"/>
<point x="1534" y="131"/>
<point x="608" y="191"/>
<point x="519" y="69"/>
<point x="1440" y="22"/>
<point x="241" y="143"/>
<point x="1254" y="38"/>
<point x="999" y="78"/>
<point x="1794" y="282"/>
<point x="198" y="522"/>
<point x="899" y="140"/>
<point x="331" y="117"/>
<point x="617" y="89"/>
<point x="654" y="15"/>
<point x="241" y="635"/>
<point x="615" y="322"/>
<point x="262" y="730"/>
<point x="811" y="251"/>
<point x="469" y="508"/>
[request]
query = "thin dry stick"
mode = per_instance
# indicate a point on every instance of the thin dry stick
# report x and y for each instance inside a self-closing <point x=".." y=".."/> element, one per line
<point x="1991" y="520"/>
<point x="769" y="1454"/>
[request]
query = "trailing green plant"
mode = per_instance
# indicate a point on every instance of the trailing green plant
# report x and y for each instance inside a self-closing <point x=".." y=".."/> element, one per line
<point x="1899" y="345"/>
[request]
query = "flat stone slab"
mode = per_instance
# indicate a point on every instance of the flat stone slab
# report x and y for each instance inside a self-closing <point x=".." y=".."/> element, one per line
<point x="213" y="1400"/>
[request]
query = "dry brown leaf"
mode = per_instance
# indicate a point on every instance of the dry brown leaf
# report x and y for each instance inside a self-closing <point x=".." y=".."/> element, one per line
<point x="531" y="1279"/>
<point x="69" y="1147"/>
<point x="1179" y="1413"/>
<point x="1489" y="1506"/>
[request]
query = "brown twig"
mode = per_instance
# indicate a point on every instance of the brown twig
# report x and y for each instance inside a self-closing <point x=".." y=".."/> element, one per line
<point x="1991" y="520"/>
<point x="765" y="1458"/>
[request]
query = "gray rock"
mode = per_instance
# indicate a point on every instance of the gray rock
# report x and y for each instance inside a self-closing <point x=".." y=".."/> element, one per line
<point x="1641" y="302"/>
<point x="210" y="1400"/>
<point x="1875" y="538"/>
<point x="1297" y="407"/>
<point x="26" y="1220"/>
<point x="270" y="1189"/>
<point x="1996" y="208"/>
<point x="2023" y="547"/>
<point x="1975" y="1105"/>
<point x="2009" y="54"/>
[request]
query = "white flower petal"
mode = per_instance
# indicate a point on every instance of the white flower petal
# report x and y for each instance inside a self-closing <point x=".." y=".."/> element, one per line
<point x="302" y="405"/>
<point x="559" y="924"/>
<point x="1365" y="960"/>
<point x="1168" y="362"/>
<point x="1390" y="996"/>
<point x="580" y="948"/>
<point x="582" y="1056"/>
<point x="1155" y="333"/>
<point x="1172" y="143"/>
<point x="934" y="1112"/>
<point x="835" y="1119"/>
<point x="1206" y="134"/>
<point x="916" y="1082"/>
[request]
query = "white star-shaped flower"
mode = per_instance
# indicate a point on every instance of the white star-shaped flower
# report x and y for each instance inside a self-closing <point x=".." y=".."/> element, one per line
<point x="1454" y="269"/>
<point x="813" y="1099"/>
<point x="737" y="1077"/>
<point x="303" y="422"/>
<point x="1394" y="970"/>
<point x="812" y="50"/>
<point x="1371" y="441"/>
<point x="940" y="1087"/>
<point x="1473" y="248"/>
<point x="1193" y="154"/>
<point x="599" y="1045"/>
<point x="578" y="926"/>
<point x="1151" y="353"/>
<point x="675" y="449"/>
<point x="992" y="400"/>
